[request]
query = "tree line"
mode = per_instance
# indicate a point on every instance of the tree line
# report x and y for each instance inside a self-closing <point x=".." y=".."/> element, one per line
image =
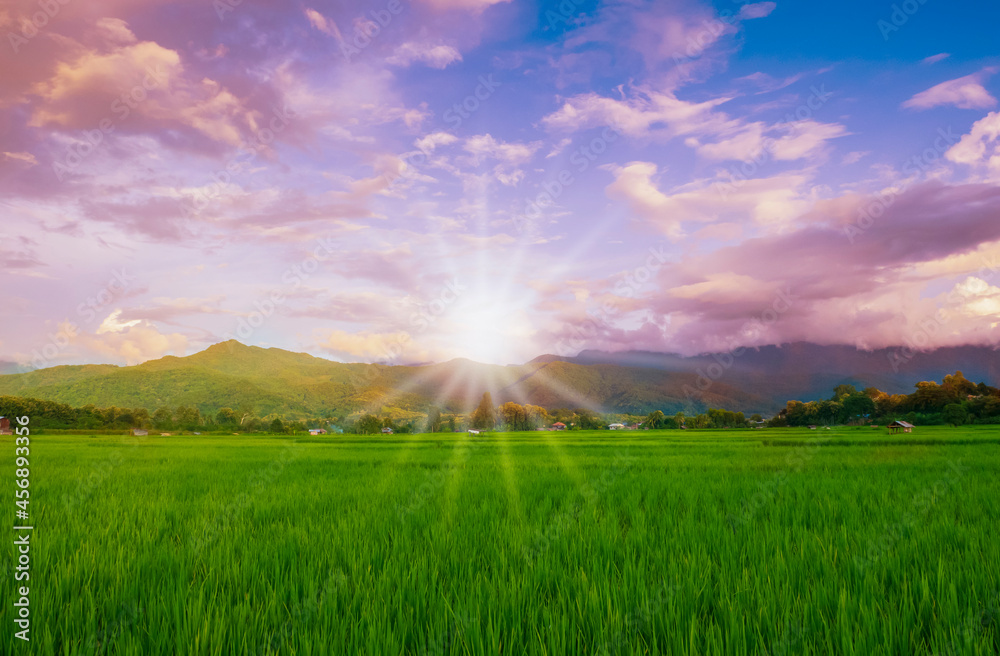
<point x="52" y="414"/>
<point x="955" y="401"/>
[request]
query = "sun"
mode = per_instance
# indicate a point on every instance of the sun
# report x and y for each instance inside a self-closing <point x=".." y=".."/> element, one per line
<point x="488" y="331"/>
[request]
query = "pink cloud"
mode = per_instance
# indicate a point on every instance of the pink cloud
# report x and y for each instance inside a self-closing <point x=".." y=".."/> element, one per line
<point x="964" y="92"/>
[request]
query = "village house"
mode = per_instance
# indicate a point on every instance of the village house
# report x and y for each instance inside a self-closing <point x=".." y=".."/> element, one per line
<point x="5" y="426"/>
<point x="317" y="431"/>
<point x="140" y="432"/>
<point x="616" y="427"/>
<point x="558" y="426"/>
<point x="387" y="431"/>
<point x="897" y="426"/>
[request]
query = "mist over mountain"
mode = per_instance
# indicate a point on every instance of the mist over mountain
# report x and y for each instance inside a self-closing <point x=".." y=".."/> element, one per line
<point x="297" y="384"/>
<point x="805" y="371"/>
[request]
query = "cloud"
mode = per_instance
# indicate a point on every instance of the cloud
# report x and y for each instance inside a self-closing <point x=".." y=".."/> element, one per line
<point x="112" y="324"/>
<point x="485" y="146"/>
<point x="646" y="113"/>
<point x="323" y="24"/>
<point x="933" y="59"/>
<point x="879" y="291"/>
<point x="964" y="92"/>
<point x="435" y="56"/>
<point x="115" y="30"/>
<point x="430" y="142"/>
<point x="853" y="157"/>
<point x="474" y="6"/>
<point x="980" y="147"/>
<point x="133" y="342"/>
<point x="368" y="346"/>
<point x="26" y="159"/>
<point x="757" y="10"/>
<point x="139" y="86"/>
<point x="775" y="200"/>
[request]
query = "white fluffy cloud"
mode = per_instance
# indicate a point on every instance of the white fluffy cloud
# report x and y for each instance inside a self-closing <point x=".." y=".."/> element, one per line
<point x="964" y="92"/>
<point x="980" y="148"/>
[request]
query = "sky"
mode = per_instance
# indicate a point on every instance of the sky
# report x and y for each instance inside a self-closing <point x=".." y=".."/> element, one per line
<point x="407" y="181"/>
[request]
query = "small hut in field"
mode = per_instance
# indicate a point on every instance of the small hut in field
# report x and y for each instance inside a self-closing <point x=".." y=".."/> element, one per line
<point x="897" y="426"/>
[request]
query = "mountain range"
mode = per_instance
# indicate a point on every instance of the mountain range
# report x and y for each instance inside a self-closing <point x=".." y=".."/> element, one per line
<point x="298" y="385"/>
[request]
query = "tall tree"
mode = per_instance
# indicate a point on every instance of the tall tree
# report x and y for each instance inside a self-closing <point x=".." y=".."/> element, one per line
<point x="484" y="417"/>
<point x="434" y="420"/>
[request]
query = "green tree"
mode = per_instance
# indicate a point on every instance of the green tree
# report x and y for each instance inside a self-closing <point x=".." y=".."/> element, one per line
<point x="142" y="418"/>
<point x="434" y="420"/>
<point x="226" y="416"/>
<point x="756" y="418"/>
<point x="537" y="416"/>
<point x="277" y="426"/>
<point x="163" y="418"/>
<point x="368" y="425"/>
<point x="187" y="418"/>
<point x="655" y="419"/>
<point x="513" y="416"/>
<point x="587" y="419"/>
<point x="954" y="414"/>
<point x="840" y="391"/>
<point x="858" y="405"/>
<point x="484" y="417"/>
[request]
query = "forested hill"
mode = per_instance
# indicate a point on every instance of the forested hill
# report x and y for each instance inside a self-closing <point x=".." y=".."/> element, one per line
<point x="272" y="380"/>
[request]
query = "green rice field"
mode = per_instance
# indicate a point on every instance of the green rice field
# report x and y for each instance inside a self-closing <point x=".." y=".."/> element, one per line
<point x="777" y="541"/>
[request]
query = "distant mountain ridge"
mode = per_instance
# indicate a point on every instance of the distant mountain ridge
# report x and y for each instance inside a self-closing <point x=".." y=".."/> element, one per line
<point x="299" y="385"/>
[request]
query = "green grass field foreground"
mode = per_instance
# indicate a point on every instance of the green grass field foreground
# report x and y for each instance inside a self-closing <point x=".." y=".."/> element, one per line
<point x="844" y="541"/>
